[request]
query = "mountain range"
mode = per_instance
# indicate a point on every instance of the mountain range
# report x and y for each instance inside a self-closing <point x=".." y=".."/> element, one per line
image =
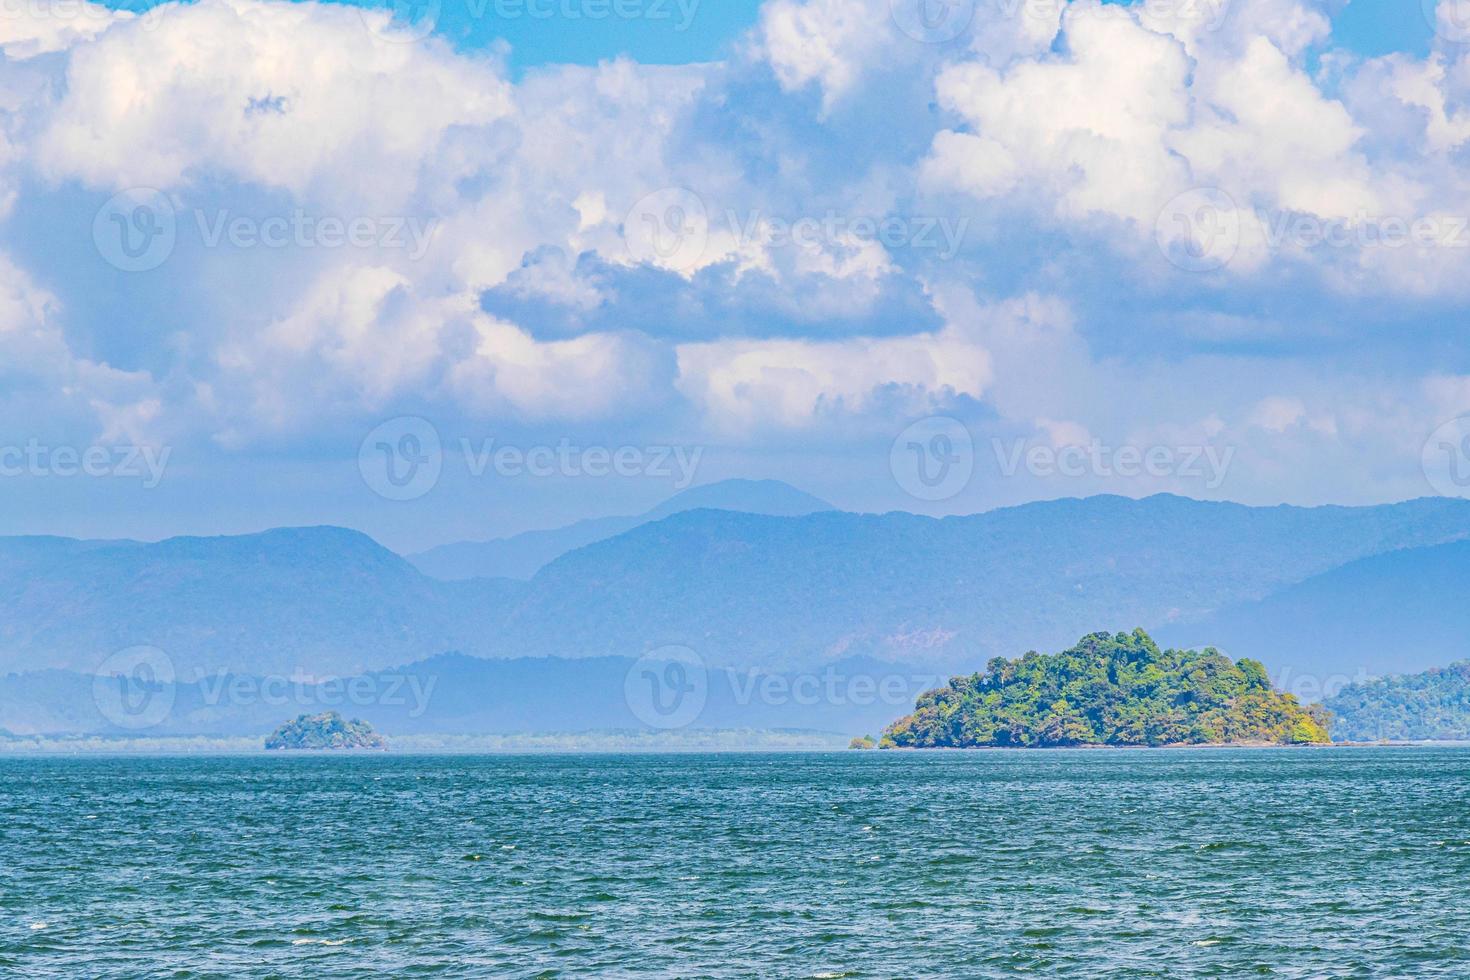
<point x="1403" y="611"/>
<point x="523" y="555"/>
<point x="1340" y="589"/>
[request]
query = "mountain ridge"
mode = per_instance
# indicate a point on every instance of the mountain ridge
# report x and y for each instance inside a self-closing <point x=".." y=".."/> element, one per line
<point x="740" y="589"/>
<point x="520" y="556"/>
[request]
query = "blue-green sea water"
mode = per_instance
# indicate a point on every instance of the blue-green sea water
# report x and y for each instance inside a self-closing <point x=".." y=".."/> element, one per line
<point x="1293" y="863"/>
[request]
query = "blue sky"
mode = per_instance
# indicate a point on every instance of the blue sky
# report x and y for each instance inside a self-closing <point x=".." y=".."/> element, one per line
<point x="703" y="30"/>
<point x="292" y="253"/>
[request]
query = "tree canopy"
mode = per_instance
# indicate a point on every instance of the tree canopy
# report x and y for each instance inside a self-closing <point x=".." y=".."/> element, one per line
<point x="1109" y="690"/>
<point x="1433" y="705"/>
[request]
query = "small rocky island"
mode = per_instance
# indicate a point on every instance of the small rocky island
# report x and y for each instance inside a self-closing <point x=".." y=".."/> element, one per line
<point x="1118" y="690"/>
<point x="325" y="731"/>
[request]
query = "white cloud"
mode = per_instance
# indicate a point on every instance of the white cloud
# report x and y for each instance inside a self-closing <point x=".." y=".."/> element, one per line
<point x="587" y="377"/>
<point x="1265" y="133"/>
<point x="1100" y="144"/>
<point x="300" y="104"/>
<point x="32" y="27"/>
<point x="298" y="96"/>
<point x="747" y="385"/>
<point x="829" y="42"/>
<point x="44" y="381"/>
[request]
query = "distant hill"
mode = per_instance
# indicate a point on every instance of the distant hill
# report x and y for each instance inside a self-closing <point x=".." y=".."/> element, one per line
<point x="1402" y="611"/>
<point x="1432" y="705"/>
<point x="750" y="589"/>
<point x="300" y="600"/>
<point x="739" y="589"/>
<point x="522" y="556"/>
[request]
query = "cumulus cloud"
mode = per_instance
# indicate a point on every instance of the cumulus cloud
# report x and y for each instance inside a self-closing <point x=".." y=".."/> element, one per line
<point x="296" y="96"/>
<point x="699" y="243"/>
<point x="750" y="385"/>
<point x="44" y="382"/>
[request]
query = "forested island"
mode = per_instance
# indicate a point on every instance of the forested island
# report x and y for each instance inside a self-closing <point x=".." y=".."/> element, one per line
<point x="1429" y="706"/>
<point x="325" y="731"/>
<point x="1119" y="690"/>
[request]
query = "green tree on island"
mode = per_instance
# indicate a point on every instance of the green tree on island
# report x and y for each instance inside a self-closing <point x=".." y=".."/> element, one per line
<point x="1110" y="690"/>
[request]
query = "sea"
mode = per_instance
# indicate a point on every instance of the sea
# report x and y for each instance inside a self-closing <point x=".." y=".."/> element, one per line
<point x="1312" y="862"/>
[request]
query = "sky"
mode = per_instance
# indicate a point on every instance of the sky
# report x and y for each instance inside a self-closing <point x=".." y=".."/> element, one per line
<point x="449" y="269"/>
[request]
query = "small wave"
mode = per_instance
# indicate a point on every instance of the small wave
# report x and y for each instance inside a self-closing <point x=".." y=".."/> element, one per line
<point x="320" y="942"/>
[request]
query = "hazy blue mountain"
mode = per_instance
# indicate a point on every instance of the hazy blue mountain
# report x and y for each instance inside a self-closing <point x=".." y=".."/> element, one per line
<point x="522" y="556"/>
<point x="739" y="589"/>
<point x="749" y="589"/>
<point x="1403" y="611"/>
<point x="315" y="600"/>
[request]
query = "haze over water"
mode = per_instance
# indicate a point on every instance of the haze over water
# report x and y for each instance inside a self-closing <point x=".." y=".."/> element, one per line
<point x="1137" y="863"/>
